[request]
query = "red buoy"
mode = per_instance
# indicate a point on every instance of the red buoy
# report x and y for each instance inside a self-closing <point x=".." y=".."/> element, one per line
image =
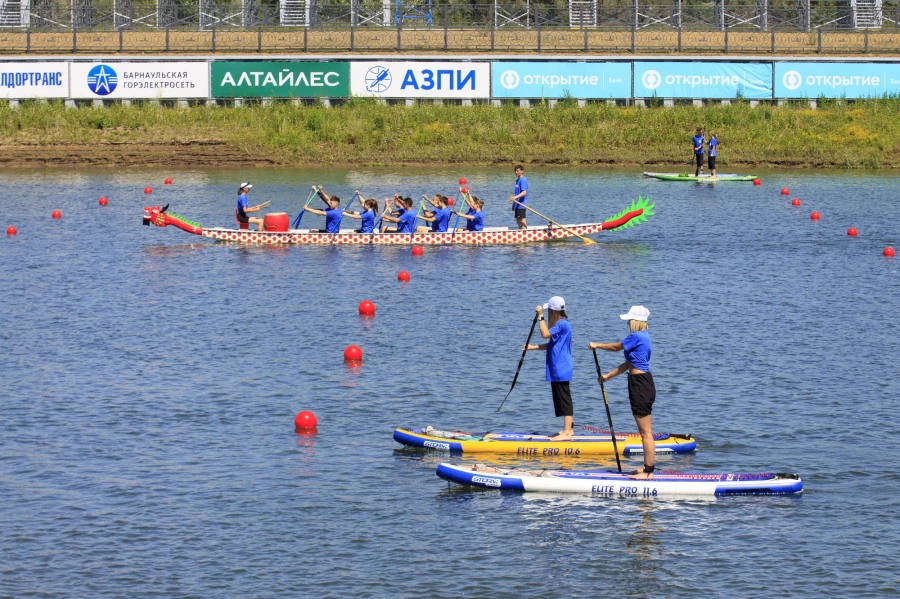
<point x="852" y="232"/>
<point x="815" y="216"/>
<point x="417" y="250"/>
<point x="352" y="352"/>
<point x="785" y="191"/>
<point x="168" y="181"/>
<point x="305" y="419"/>
<point x="463" y="181"/>
<point x="795" y="202"/>
<point x="56" y="214"/>
<point x="888" y="252"/>
<point x="465" y="190"/>
<point x="11" y="230"/>
<point x="403" y="276"/>
<point x="102" y="201"/>
<point x="366" y="308"/>
<point x="148" y="190"/>
<point x="757" y="182"/>
<point x="449" y="201"/>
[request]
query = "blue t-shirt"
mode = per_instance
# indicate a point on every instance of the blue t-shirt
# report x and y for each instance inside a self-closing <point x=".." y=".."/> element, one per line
<point x="637" y="350"/>
<point x="559" y="352"/>
<point x="242" y="204"/>
<point x="698" y="141"/>
<point x="713" y="142"/>
<point x="407" y="222"/>
<point x="476" y="224"/>
<point x="441" y="218"/>
<point x="368" y="221"/>
<point x="521" y="185"/>
<point x="333" y="220"/>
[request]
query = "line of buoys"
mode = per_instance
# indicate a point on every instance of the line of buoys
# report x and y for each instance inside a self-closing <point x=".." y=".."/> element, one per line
<point x="417" y="250"/>
<point x="815" y="216"/>
<point x="352" y="352"/>
<point x="366" y="308"/>
<point x="403" y="276"/>
<point x="888" y="252"/>
<point x="11" y="230"/>
<point x="305" y="420"/>
<point x="102" y="201"/>
<point x="148" y="190"/>
<point x="168" y="181"/>
<point x="795" y="202"/>
<point x="56" y="214"/>
<point x="852" y="232"/>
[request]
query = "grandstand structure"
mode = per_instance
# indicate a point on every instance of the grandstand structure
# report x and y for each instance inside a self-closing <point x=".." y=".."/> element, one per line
<point x="758" y="15"/>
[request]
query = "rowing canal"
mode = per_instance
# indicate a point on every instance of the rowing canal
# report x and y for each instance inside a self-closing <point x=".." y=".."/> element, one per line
<point x="149" y="379"/>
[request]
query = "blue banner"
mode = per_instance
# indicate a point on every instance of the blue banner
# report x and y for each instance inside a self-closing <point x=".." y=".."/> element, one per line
<point x="836" y="80"/>
<point x="581" y="80"/>
<point x="703" y="80"/>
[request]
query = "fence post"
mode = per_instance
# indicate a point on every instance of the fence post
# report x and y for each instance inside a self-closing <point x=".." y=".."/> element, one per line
<point x="446" y="17"/>
<point x="214" y="32"/>
<point x="819" y="40"/>
<point x="28" y="39"/>
<point x="167" y="39"/>
<point x="120" y="41"/>
<point x="773" y="40"/>
<point x="726" y="39"/>
<point x="584" y="30"/>
<point x="633" y="27"/>
<point x="305" y="41"/>
<point x="537" y="24"/>
<point x="399" y="17"/>
<point x="867" y="40"/>
<point x="259" y="38"/>
<point x="492" y="33"/>
<point x="74" y="37"/>
<point x="352" y="37"/>
<point x="679" y="35"/>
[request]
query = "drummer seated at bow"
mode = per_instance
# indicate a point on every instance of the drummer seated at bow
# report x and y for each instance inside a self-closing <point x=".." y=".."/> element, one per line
<point x="475" y="216"/>
<point x="366" y="215"/>
<point x="243" y="209"/>
<point x="332" y="213"/>
<point x="406" y="216"/>
<point x="439" y="217"/>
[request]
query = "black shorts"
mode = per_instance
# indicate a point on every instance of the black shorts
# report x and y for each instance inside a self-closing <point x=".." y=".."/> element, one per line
<point x="641" y="393"/>
<point x="712" y="163"/>
<point x="243" y="218"/>
<point x="699" y="159"/>
<point x="521" y="212"/>
<point x="562" y="399"/>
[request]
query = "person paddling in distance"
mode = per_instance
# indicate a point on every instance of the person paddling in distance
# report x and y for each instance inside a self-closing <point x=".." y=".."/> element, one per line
<point x="439" y="217"/>
<point x="366" y="215"/>
<point x="559" y="361"/>
<point x="475" y="216"/>
<point x="641" y="390"/>
<point x="406" y="216"/>
<point x="243" y="208"/>
<point x="698" y="140"/>
<point x="520" y="195"/>
<point x="713" y="145"/>
<point x="332" y="213"/>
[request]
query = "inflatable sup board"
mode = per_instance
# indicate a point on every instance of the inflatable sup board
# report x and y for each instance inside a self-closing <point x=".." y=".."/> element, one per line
<point x="537" y="445"/>
<point x="614" y="484"/>
<point x="701" y="178"/>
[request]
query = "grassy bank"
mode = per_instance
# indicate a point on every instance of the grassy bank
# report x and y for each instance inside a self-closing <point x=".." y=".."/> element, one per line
<point x="858" y="135"/>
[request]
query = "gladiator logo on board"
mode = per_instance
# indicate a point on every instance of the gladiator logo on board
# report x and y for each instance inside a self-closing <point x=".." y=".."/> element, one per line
<point x="651" y="79"/>
<point x="102" y="80"/>
<point x="491" y="482"/>
<point x="436" y="445"/>
<point x="792" y="80"/>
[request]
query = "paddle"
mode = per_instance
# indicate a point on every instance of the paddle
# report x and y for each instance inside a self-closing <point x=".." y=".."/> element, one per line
<point x="521" y="360"/>
<point x="564" y="228"/>
<point x="416" y="219"/>
<point x="296" y="223"/>
<point x="459" y="208"/>
<point x="612" y="433"/>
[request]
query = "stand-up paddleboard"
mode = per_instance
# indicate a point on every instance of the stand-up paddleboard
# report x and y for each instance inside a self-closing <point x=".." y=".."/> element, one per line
<point x="537" y="445"/>
<point x="701" y="178"/>
<point x="614" y="484"/>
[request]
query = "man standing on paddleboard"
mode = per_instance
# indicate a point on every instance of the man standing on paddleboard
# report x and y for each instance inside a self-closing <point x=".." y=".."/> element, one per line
<point x="520" y="195"/>
<point x="698" y="151"/>
<point x="641" y="390"/>
<point x="559" y="361"/>
<point x="713" y="144"/>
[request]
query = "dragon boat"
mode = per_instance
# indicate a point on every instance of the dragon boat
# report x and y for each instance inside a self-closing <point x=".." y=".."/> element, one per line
<point x="278" y="232"/>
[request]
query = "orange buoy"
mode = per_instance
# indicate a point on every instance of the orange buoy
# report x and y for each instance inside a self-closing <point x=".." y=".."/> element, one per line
<point x="888" y="251"/>
<point x="417" y="250"/>
<point x="56" y="214"/>
<point x="11" y="230"/>
<point x="403" y="276"/>
<point x="366" y="308"/>
<point x="168" y="181"/>
<point x="785" y="191"/>
<point x="815" y="216"/>
<point x="352" y="352"/>
<point x="757" y="182"/>
<point x="852" y="232"/>
<point x="148" y="190"/>
<point x="304" y="420"/>
<point x="795" y="202"/>
<point x="102" y="201"/>
<point x="463" y="181"/>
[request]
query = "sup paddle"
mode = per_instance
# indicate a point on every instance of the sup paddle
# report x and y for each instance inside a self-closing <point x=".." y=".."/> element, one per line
<point x="612" y="433"/>
<point x="521" y="360"/>
<point x="553" y="222"/>
<point x="296" y="222"/>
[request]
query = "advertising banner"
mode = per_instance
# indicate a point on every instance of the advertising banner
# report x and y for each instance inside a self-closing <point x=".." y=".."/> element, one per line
<point x="836" y="80"/>
<point x="703" y="80"/>
<point x="421" y="79"/>
<point x="100" y="80"/>
<point x="580" y="80"/>
<point x="280" y="79"/>
<point x="20" y="80"/>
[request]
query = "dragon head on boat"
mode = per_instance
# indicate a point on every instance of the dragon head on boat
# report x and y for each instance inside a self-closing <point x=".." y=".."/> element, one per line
<point x="158" y="216"/>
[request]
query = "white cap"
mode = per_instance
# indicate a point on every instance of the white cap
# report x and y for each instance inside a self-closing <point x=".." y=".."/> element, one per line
<point x="245" y="185"/>
<point x="556" y="303"/>
<point x="636" y="313"/>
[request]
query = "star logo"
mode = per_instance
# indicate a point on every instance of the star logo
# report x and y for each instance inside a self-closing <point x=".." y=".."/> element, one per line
<point x="102" y="80"/>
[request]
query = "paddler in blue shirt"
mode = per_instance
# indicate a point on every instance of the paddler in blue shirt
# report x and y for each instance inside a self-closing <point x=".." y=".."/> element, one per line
<point x="698" y="141"/>
<point x="713" y="145"/>
<point x="641" y="389"/>
<point x="367" y="215"/>
<point x="332" y="213"/>
<point x="520" y="195"/>
<point x="243" y="208"/>
<point x="439" y="217"/>
<point x="559" y="361"/>
<point x="475" y="216"/>
<point x="405" y="219"/>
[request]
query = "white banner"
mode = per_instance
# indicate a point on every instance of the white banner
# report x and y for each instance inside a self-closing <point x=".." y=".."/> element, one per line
<point x="19" y="80"/>
<point x="420" y="79"/>
<point x="100" y="80"/>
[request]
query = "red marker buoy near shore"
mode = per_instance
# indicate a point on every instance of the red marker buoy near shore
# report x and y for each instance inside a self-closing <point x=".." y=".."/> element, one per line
<point x="102" y="201"/>
<point x="56" y="214"/>
<point x="352" y="352"/>
<point x="815" y="216"/>
<point x="462" y="181"/>
<point x="757" y="182"/>
<point x="795" y="202"/>
<point x="888" y="252"/>
<point x="366" y="308"/>
<point x="417" y="250"/>
<point x="148" y="190"/>
<point x="852" y="232"/>
<point x="785" y="191"/>
<point x="168" y="181"/>
<point x="305" y="420"/>
<point x="403" y="276"/>
<point x="11" y="230"/>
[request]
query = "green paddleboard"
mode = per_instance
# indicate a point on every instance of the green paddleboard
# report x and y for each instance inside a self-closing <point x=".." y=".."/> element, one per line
<point x="701" y="178"/>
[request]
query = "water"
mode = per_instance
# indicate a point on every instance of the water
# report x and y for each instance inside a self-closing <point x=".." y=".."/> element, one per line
<point x="149" y="379"/>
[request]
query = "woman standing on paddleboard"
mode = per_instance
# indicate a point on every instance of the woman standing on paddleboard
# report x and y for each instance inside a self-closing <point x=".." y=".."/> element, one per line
<point x="559" y="361"/>
<point x="641" y="390"/>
